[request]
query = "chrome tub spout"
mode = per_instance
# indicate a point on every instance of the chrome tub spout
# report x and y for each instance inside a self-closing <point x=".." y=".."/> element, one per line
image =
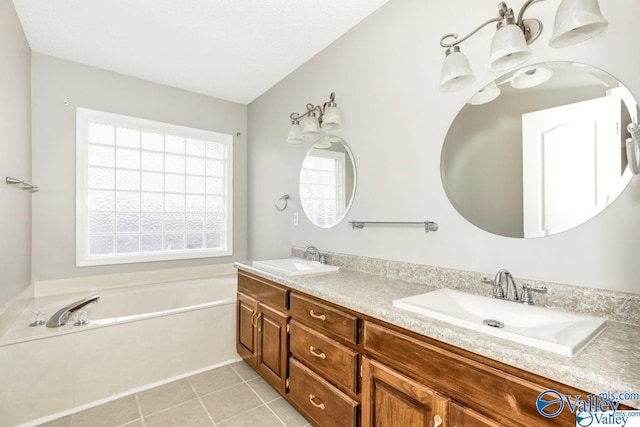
<point x="61" y="316"/>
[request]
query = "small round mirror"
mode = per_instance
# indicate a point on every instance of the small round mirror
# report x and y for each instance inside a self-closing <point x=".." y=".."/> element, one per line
<point x="327" y="181"/>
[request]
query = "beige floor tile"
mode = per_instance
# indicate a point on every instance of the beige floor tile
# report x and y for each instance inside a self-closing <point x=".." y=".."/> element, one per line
<point x="136" y="423"/>
<point x="287" y="413"/>
<point x="214" y="380"/>
<point x="230" y="402"/>
<point x="260" y="416"/>
<point x="263" y="389"/>
<point x="60" y="422"/>
<point x="244" y="370"/>
<point x="189" y="414"/>
<point x="165" y="396"/>
<point x="110" y="414"/>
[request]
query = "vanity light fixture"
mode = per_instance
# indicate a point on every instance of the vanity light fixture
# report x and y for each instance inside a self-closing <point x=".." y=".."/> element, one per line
<point x="311" y="123"/>
<point x="575" y="22"/>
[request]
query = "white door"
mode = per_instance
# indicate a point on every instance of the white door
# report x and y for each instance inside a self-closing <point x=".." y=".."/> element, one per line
<point x="571" y="162"/>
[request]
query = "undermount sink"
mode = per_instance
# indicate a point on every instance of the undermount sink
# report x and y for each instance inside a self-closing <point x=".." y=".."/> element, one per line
<point x="555" y="331"/>
<point x="296" y="266"/>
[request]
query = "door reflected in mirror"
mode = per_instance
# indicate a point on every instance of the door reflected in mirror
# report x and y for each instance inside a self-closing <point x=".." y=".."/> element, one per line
<point x="327" y="181"/>
<point x="540" y="150"/>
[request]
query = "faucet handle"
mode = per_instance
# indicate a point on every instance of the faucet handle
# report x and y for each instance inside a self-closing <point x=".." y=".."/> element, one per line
<point x="526" y="295"/>
<point x="497" y="292"/>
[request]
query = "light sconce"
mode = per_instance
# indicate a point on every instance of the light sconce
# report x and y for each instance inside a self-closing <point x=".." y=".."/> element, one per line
<point x="316" y="119"/>
<point x="575" y="22"/>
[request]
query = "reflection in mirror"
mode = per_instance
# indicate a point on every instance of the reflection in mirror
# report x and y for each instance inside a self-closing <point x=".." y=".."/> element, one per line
<point x="327" y="181"/>
<point x="540" y="150"/>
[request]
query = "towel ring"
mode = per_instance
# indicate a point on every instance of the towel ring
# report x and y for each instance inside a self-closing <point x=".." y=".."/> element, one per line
<point x="285" y="198"/>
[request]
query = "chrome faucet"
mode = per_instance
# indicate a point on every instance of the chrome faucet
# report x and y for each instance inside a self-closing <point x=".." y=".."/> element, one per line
<point x="499" y="293"/>
<point x="510" y="282"/>
<point x="315" y="253"/>
<point x="61" y="316"/>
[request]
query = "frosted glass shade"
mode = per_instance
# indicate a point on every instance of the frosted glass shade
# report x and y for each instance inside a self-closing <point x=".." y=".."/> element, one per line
<point x="508" y="49"/>
<point x="331" y="119"/>
<point x="456" y="73"/>
<point x="295" y="134"/>
<point x="310" y="127"/>
<point x="486" y="94"/>
<point x="531" y="76"/>
<point x="577" y="21"/>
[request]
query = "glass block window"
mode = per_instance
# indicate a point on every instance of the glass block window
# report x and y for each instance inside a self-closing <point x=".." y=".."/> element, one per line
<point x="150" y="191"/>
<point x="322" y="186"/>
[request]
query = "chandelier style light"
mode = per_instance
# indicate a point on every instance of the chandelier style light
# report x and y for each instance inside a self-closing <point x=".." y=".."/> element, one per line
<point x="316" y="119"/>
<point x="575" y="22"/>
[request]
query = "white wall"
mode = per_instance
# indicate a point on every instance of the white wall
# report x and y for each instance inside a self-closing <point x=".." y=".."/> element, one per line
<point x="385" y="73"/>
<point x="15" y="155"/>
<point x="54" y="125"/>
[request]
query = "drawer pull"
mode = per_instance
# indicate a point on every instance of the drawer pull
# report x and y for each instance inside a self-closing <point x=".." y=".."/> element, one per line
<point x="316" y="353"/>
<point x="312" y="399"/>
<point x="317" y="316"/>
<point x="437" y="421"/>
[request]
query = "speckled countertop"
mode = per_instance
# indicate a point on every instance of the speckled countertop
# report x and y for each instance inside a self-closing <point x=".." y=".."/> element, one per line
<point x="609" y="363"/>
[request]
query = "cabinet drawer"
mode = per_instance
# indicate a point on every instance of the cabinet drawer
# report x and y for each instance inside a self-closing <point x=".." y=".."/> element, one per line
<point x="471" y="383"/>
<point x="269" y="293"/>
<point x="323" y="403"/>
<point x="324" y="317"/>
<point x="336" y="362"/>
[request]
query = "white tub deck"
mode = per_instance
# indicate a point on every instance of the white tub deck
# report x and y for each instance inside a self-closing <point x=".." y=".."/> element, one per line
<point x="137" y="336"/>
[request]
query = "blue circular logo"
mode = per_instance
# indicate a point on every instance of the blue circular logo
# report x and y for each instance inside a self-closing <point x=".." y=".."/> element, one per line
<point x="546" y="407"/>
<point x="584" y="419"/>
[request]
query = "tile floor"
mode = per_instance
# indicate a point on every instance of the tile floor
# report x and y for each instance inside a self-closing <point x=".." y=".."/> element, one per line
<point x="229" y="396"/>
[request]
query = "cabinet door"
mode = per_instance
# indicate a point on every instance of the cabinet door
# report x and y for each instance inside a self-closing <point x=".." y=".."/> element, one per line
<point x="246" y="330"/>
<point x="459" y="416"/>
<point x="273" y="346"/>
<point x="389" y="399"/>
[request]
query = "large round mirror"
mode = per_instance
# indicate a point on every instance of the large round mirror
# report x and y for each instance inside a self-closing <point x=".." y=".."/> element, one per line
<point x="540" y="150"/>
<point x="327" y="181"/>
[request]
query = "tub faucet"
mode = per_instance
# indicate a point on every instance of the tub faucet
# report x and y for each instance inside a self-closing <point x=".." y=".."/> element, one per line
<point x="61" y="316"/>
<point x="315" y="253"/>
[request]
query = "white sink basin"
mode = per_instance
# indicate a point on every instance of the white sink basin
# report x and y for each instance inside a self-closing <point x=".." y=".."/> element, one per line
<point x="550" y="330"/>
<point x="296" y="266"/>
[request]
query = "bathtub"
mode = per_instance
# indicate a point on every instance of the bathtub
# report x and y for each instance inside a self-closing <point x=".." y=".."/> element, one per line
<point x="137" y="337"/>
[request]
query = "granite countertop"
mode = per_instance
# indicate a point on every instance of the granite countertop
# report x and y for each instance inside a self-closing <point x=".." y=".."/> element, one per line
<point x="609" y="363"/>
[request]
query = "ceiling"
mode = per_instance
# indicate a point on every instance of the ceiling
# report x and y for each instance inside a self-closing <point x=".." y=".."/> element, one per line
<point x="230" y="49"/>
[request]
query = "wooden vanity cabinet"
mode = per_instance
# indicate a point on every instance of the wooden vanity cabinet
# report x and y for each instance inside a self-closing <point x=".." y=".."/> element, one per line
<point x="342" y="368"/>
<point x="459" y="416"/>
<point x="324" y="364"/>
<point x="391" y="399"/>
<point x="261" y="331"/>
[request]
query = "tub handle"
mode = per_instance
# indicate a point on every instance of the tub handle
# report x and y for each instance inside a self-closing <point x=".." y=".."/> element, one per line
<point x="317" y="316"/>
<point x="317" y="353"/>
<point x="313" y="398"/>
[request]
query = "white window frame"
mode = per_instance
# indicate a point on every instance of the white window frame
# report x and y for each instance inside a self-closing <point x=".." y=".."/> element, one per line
<point x="83" y="118"/>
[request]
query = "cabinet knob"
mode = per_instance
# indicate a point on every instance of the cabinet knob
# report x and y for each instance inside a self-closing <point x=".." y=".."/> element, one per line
<point x="437" y="421"/>
<point x="317" y="353"/>
<point x="313" y="399"/>
<point x="317" y="316"/>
